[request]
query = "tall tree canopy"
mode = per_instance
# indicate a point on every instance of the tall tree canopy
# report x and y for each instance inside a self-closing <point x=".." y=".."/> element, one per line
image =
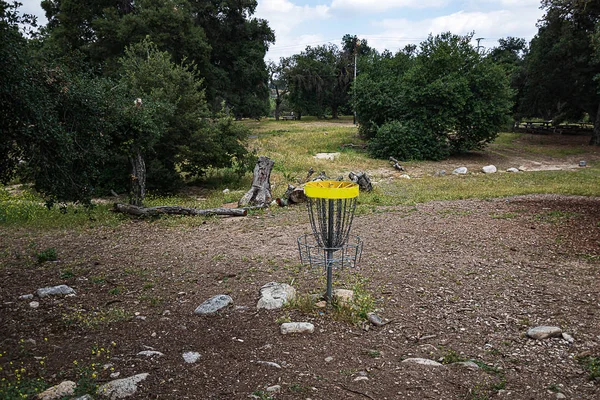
<point x="562" y="66"/>
<point x="219" y="36"/>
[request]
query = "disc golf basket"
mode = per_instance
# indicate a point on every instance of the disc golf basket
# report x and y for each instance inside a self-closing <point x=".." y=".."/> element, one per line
<point x="331" y="206"/>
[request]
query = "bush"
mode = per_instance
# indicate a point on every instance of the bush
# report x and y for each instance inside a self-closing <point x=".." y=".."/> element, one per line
<point x="408" y="141"/>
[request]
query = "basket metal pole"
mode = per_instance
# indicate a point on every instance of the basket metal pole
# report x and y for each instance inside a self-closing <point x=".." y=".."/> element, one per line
<point x="329" y="253"/>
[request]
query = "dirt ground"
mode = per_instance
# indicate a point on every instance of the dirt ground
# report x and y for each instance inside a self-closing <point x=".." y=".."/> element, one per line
<point x="460" y="280"/>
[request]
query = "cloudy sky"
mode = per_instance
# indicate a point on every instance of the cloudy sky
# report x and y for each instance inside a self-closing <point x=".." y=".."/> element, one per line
<point x="386" y="24"/>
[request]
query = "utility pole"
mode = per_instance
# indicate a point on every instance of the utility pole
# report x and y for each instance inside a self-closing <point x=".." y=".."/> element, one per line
<point x="478" y="46"/>
<point x="354" y="81"/>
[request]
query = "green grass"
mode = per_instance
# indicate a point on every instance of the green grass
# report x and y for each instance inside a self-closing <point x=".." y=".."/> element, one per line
<point x="293" y="144"/>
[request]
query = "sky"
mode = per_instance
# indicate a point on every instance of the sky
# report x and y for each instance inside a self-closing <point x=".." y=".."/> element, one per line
<point x="390" y="24"/>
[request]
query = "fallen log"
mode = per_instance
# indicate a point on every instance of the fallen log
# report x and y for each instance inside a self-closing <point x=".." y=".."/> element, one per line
<point x="396" y="164"/>
<point x="176" y="210"/>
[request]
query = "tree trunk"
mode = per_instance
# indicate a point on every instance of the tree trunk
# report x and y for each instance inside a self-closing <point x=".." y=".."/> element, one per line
<point x="259" y="194"/>
<point x="145" y="212"/>
<point x="334" y="112"/>
<point x="138" y="179"/>
<point x="596" y="133"/>
<point x="277" y="107"/>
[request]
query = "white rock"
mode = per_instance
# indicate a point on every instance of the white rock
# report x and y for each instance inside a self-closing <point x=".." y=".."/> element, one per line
<point x="489" y="169"/>
<point x="274" y="389"/>
<point x="121" y="388"/>
<point x="468" y="364"/>
<point x="405" y="176"/>
<point x="568" y="337"/>
<point x="423" y="361"/>
<point x="361" y="378"/>
<point x="26" y="297"/>
<point x="328" y="359"/>
<point x="54" y="290"/>
<point x="297" y="327"/>
<point x="460" y="171"/>
<point x="513" y="170"/>
<point x="343" y="296"/>
<point x="34" y="304"/>
<point x="544" y="332"/>
<point x="213" y="304"/>
<point x="150" y="353"/>
<point x="191" y="357"/>
<point x="115" y="375"/>
<point x="63" y="389"/>
<point x="269" y="364"/>
<point x="327" y="156"/>
<point x="274" y="295"/>
<point x="560" y="396"/>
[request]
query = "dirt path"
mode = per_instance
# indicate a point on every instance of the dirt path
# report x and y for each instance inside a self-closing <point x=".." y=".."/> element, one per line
<point x="460" y="280"/>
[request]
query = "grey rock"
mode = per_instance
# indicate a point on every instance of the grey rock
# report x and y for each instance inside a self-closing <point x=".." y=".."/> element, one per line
<point x="544" y="332"/>
<point x="375" y="319"/>
<point x="26" y="297"/>
<point x="468" y="364"/>
<point x="328" y="359"/>
<point x="513" y="170"/>
<point x="460" y="171"/>
<point x="440" y="173"/>
<point x="121" y="388"/>
<point x="274" y="295"/>
<point x="54" y="291"/>
<point x="560" y="396"/>
<point x="489" y="169"/>
<point x="213" y="305"/>
<point x="423" y="361"/>
<point x="326" y="156"/>
<point x="34" y="304"/>
<point x="297" y="327"/>
<point x="114" y="375"/>
<point x="191" y="357"/>
<point x="150" y="353"/>
<point x="63" y="389"/>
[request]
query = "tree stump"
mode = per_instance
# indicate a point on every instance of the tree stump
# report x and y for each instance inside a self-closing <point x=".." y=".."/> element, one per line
<point x="363" y="181"/>
<point x="259" y="194"/>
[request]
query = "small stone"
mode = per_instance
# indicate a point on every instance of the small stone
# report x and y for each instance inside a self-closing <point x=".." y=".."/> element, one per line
<point x="297" y="327"/>
<point x="34" y="304"/>
<point x="375" y="319"/>
<point x="150" y="353"/>
<point x="63" y="389"/>
<point x="274" y="295"/>
<point x="321" y="304"/>
<point x="327" y="156"/>
<point x="404" y="176"/>
<point x="460" y="171"/>
<point x="468" y="364"/>
<point x="84" y="397"/>
<point x="343" y="296"/>
<point x="568" y="337"/>
<point x="191" y="357"/>
<point x="328" y="359"/>
<point x="544" y="332"/>
<point x="513" y="170"/>
<point x="26" y="297"/>
<point x="213" y="305"/>
<point x="560" y="396"/>
<point x="54" y="290"/>
<point x="269" y="364"/>
<point x="423" y="361"/>
<point x="361" y="378"/>
<point x="114" y="375"/>
<point x="489" y="169"/>
<point x="440" y="173"/>
<point x="274" y="389"/>
<point x="225" y="191"/>
<point x="121" y="388"/>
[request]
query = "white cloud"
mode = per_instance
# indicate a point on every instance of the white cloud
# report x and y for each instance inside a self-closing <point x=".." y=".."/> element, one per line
<point x="284" y="18"/>
<point x="396" y="33"/>
<point x="370" y="6"/>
